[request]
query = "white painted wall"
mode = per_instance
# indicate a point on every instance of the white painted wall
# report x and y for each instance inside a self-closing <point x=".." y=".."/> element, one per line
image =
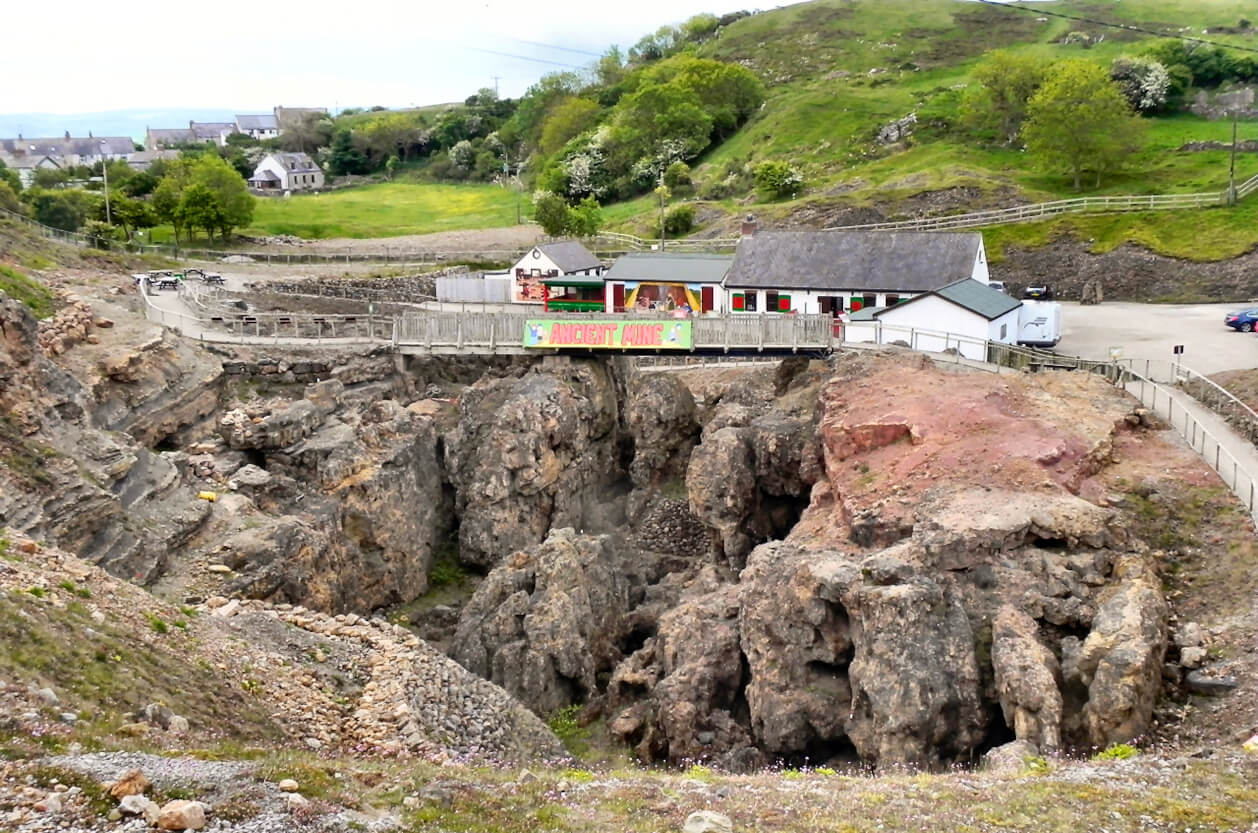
<point x="980" y="264"/>
<point x="928" y="323"/>
<point x="809" y="301"/>
<point x="290" y="180"/>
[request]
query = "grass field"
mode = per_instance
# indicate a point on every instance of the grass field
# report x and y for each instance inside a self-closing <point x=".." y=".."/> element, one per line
<point x="387" y="210"/>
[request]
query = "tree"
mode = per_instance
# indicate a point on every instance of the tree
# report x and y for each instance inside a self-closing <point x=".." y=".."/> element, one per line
<point x="391" y="166"/>
<point x="132" y="214"/>
<point x="9" y="176"/>
<point x="140" y="185"/>
<point x="679" y="220"/>
<point x="1144" y="82"/>
<point x="585" y="218"/>
<point x="50" y="177"/>
<point x="677" y="177"/>
<point x="1079" y="120"/>
<point x="8" y="198"/>
<point x="567" y="120"/>
<point x="663" y="112"/>
<point x="551" y="212"/>
<point x="166" y="203"/>
<point x="1007" y="81"/>
<point x="198" y="208"/>
<point x="345" y="158"/>
<point x="63" y="208"/>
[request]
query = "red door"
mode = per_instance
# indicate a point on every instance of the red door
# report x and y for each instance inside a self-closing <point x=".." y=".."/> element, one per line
<point x="618" y="297"/>
<point x="707" y="299"/>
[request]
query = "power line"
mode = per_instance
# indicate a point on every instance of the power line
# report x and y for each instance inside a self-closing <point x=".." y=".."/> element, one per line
<point x="560" y="48"/>
<point x="1124" y="26"/>
<point x="523" y="58"/>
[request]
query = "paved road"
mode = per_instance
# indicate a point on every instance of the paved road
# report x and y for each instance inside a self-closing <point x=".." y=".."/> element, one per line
<point x="1149" y="331"/>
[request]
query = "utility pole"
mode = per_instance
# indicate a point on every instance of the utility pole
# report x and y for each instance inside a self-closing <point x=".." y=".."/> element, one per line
<point x="1231" y="173"/>
<point x="105" y="170"/>
<point x="496" y="78"/>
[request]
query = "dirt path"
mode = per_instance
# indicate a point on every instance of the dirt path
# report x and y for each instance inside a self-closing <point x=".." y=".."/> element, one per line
<point x="510" y="238"/>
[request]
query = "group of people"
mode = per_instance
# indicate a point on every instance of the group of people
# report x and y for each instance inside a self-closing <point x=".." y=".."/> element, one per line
<point x="665" y="304"/>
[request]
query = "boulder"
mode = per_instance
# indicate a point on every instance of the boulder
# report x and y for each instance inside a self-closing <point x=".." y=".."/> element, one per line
<point x="181" y="815"/>
<point x="548" y="620"/>
<point x="707" y="821"/>
<point x="138" y="805"/>
<point x="131" y="782"/>
<point x="1026" y="676"/>
<point x="1009" y="758"/>
<point x="659" y="414"/>
<point x="1120" y="661"/>
<point x="531" y="454"/>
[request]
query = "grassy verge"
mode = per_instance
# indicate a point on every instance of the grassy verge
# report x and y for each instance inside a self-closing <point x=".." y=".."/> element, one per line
<point x="29" y="291"/>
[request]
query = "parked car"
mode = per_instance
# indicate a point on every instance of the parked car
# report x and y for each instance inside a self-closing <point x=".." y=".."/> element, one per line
<point x="1245" y="320"/>
<point x="999" y="286"/>
<point x="1043" y="292"/>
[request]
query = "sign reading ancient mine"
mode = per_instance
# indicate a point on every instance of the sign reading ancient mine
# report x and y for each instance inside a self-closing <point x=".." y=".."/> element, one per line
<point x="607" y="335"/>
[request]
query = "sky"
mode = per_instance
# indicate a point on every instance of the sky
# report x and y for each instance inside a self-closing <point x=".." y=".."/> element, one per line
<point x="240" y="56"/>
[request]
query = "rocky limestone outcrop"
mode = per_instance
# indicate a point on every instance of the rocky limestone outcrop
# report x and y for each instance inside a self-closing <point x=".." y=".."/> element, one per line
<point x="749" y="482"/>
<point x="680" y="697"/>
<point x="660" y="417"/>
<point x="1027" y="677"/>
<point x="549" y="619"/>
<point x="533" y="453"/>
<point x="67" y="481"/>
<point x="371" y="501"/>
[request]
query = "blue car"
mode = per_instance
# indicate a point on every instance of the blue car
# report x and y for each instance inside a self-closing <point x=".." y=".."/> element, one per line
<point x="1245" y="320"/>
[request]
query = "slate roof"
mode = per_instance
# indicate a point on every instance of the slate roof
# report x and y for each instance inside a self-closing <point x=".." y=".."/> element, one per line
<point x="74" y="146"/>
<point x="264" y="121"/>
<point x="211" y="129"/>
<point x="969" y="294"/>
<point x="570" y="256"/>
<point x="677" y="268"/>
<point x="264" y="176"/>
<point x="296" y="162"/>
<point x="170" y="135"/>
<point x="912" y="261"/>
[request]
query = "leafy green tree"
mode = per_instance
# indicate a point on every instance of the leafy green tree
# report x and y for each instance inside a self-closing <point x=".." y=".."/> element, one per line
<point x="1080" y="121"/>
<point x="140" y="185"/>
<point x="230" y="190"/>
<point x="568" y="119"/>
<point x="679" y="220"/>
<point x="9" y="199"/>
<point x="132" y="214"/>
<point x="50" y="177"/>
<point x="585" y="218"/>
<point x="663" y="113"/>
<point x="729" y="93"/>
<point x="64" y="208"/>
<point x="165" y="201"/>
<point x="551" y="212"/>
<point x="100" y="235"/>
<point x="391" y="166"/>
<point x="10" y="177"/>
<point x="345" y="158"/>
<point x="677" y="177"/>
<point x="198" y="208"/>
<point x="1144" y="82"/>
<point x="610" y="68"/>
<point x="700" y="27"/>
<point x="1006" y="83"/>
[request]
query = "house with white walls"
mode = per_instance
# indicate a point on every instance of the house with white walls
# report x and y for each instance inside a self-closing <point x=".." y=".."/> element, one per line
<point x="960" y="316"/>
<point x="843" y="271"/>
<point x="547" y="261"/>
<point x="286" y="172"/>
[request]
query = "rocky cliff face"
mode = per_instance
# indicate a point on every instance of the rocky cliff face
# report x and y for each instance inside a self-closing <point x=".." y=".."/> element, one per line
<point x="944" y="590"/>
<point x="68" y="481"/>
<point x="535" y="452"/>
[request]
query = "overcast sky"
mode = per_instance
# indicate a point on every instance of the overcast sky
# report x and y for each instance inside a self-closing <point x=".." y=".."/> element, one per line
<point x="249" y="56"/>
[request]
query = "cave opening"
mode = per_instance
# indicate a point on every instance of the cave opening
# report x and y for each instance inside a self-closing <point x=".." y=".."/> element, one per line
<point x="998" y="731"/>
<point x="782" y="512"/>
<point x="1053" y="544"/>
<point x="255" y="457"/>
<point x="166" y="443"/>
<point x="836" y="753"/>
<point x="633" y="641"/>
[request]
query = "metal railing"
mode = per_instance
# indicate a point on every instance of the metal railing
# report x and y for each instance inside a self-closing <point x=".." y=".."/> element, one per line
<point x="1216" y="397"/>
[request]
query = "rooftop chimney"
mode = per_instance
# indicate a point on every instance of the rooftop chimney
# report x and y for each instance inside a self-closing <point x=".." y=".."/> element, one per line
<point x="749" y="225"/>
<point x="67" y="135"/>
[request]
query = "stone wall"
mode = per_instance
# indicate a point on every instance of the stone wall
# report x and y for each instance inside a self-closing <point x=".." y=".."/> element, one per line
<point x="401" y="289"/>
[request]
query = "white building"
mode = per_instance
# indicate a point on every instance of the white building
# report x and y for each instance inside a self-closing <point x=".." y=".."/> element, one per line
<point x="286" y="172"/>
<point x="664" y="281"/>
<point x="843" y="271"/>
<point x="548" y="260"/>
<point x="263" y="126"/>
<point x="960" y="316"/>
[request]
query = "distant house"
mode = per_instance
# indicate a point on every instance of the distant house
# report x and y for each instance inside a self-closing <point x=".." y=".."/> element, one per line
<point x="966" y="307"/>
<point x="286" y="172"/>
<point x="142" y="160"/>
<point x="264" y="126"/>
<point x="661" y="281"/>
<point x="156" y="138"/>
<point x="28" y="155"/>
<point x="549" y="260"/>
<point x="838" y="271"/>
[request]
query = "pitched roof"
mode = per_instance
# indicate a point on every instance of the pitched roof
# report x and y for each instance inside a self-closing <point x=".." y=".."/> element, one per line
<point x="264" y="176"/>
<point x="299" y="162"/>
<point x="264" y="121"/>
<point x="656" y="266"/>
<point x="912" y="261"/>
<point x="975" y="296"/>
<point x="170" y="135"/>
<point x="570" y="256"/>
<point x="70" y="146"/>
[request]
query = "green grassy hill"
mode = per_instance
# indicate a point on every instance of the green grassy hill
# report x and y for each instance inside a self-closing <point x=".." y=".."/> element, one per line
<point x="837" y="71"/>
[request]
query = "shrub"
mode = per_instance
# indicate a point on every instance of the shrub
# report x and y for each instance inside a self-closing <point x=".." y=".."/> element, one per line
<point x="1116" y="752"/>
<point x="777" y="180"/>
<point x="679" y="220"/>
<point x="677" y="177"/>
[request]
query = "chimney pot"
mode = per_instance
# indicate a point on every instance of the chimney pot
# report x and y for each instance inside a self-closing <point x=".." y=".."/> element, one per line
<point x="749" y="225"/>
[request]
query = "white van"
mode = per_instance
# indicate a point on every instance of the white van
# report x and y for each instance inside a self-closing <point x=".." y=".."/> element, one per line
<point x="1039" y="324"/>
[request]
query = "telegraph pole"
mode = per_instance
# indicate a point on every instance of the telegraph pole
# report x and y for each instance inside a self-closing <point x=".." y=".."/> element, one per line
<point x="496" y="78"/>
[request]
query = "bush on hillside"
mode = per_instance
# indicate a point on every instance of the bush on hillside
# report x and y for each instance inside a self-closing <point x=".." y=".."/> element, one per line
<point x="778" y="180"/>
<point x="1144" y="82"/>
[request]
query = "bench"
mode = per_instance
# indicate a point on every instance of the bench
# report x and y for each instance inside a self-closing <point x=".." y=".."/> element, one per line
<point x="168" y="284"/>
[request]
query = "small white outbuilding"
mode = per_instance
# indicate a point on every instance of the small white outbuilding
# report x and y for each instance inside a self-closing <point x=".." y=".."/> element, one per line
<point x="933" y="320"/>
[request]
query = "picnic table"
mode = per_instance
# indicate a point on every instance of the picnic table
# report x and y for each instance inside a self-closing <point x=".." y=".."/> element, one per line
<point x="168" y="283"/>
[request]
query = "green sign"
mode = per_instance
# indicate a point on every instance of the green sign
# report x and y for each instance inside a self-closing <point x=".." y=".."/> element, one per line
<point x="607" y="335"/>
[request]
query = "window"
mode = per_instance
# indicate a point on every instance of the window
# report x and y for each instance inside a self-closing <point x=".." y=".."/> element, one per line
<point x="751" y="301"/>
<point x="892" y="300"/>
<point x="770" y="301"/>
<point x="830" y="304"/>
<point x="869" y="301"/>
<point x="1004" y="328"/>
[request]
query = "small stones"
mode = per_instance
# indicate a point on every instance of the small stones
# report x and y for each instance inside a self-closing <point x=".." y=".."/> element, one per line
<point x="51" y="803"/>
<point x="1193" y="657"/>
<point x="219" y="568"/>
<point x="296" y="800"/>
<point x="138" y="805"/>
<point x="48" y="697"/>
<point x="288" y="785"/>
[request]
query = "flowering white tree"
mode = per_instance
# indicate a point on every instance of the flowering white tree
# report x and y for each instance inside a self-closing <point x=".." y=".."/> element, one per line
<point x="1145" y="83"/>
